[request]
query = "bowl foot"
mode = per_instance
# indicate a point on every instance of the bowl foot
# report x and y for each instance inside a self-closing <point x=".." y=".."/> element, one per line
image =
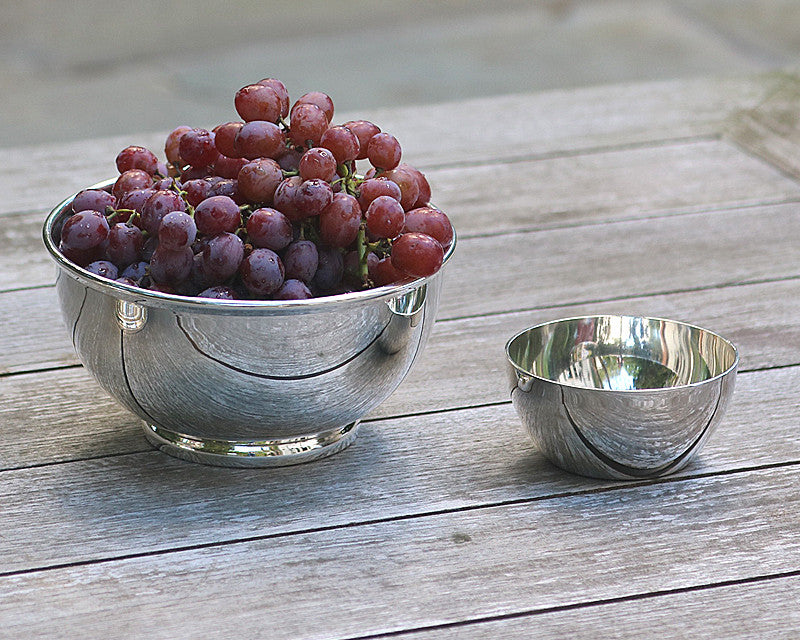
<point x="260" y="453"/>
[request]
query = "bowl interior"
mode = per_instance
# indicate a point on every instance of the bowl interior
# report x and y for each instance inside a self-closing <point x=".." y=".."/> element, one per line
<point x="621" y="353"/>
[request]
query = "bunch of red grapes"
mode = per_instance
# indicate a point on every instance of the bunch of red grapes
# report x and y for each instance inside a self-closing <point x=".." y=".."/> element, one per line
<point x="262" y="208"/>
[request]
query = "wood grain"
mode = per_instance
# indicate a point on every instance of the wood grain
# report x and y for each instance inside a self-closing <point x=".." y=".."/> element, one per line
<point x="539" y="194"/>
<point x="112" y="506"/>
<point x="38" y="339"/>
<point x="621" y="259"/>
<point x="480" y="130"/>
<point x="607" y="185"/>
<point x="463" y="365"/>
<point x="771" y="130"/>
<point x="770" y="611"/>
<point x="390" y="576"/>
<point x="442" y="518"/>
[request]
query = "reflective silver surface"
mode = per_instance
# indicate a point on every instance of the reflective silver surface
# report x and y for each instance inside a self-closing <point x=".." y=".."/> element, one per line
<point x="620" y="396"/>
<point x="244" y="383"/>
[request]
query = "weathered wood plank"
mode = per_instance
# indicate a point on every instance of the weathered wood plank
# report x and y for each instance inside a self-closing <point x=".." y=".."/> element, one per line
<point x="466" y="358"/>
<point x="390" y="576"/>
<point x="109" y="507"/>
<point x="611" y="185"/>
<point x="771" y="130"/>
<point x="764" y="326"/>
<point x="621" y="259"/>
<point x="536" y="194"/>
<point x="765" y="609"/>
<point x="463" y="365"/>
<point x="480" y="130"/>
<point x="66" y="413"/>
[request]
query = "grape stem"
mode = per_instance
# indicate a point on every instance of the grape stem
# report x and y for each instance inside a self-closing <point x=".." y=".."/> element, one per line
<point x="363" y="252"/>
<point x="115" y="214"/>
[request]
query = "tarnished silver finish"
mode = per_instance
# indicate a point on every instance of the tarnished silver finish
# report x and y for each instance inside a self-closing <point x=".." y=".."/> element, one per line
<point x="620" y="396"/>
<point x="244" y="383"/>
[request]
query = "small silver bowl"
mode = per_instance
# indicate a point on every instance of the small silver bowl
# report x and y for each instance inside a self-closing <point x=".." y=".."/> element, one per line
<point x="243" y="382"/>
<point x="620" y="396"/>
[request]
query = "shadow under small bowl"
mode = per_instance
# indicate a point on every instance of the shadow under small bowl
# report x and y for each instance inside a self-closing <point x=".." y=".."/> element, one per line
<point x="243" y="382"/>
<point x="620" y="396"/>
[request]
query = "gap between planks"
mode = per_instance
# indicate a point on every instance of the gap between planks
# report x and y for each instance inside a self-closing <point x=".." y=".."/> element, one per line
<point x="671" y="537"/>
<point x="393" y="472"/>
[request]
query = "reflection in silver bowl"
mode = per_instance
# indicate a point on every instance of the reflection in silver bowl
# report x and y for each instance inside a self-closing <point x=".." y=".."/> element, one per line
<point x="244" y="383"/>
<point x="620" y="396"/>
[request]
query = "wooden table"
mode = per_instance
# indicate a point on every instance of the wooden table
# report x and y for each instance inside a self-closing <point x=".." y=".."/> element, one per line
<point x="676" y="199"/>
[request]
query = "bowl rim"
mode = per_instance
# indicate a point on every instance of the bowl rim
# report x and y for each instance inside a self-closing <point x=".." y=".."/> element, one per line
<point x="728" y="371"/>
<point x="148" y="297"/>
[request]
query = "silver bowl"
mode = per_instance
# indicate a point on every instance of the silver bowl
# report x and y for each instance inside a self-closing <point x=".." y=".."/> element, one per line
<point x="237" y="382"/>
<point x="620" y="396"/>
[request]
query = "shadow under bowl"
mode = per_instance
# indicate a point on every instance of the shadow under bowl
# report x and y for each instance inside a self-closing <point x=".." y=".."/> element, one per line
<point x="620" y="396"/>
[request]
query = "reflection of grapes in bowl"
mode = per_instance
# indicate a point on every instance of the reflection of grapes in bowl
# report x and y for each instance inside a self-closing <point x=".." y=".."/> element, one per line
<point x="255" y="296"/>
<point x="620" y="396"/>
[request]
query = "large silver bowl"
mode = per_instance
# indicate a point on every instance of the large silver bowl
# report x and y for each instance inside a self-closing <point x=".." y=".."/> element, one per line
<point x="620" y="396"/>
<point x="243" y="383"/>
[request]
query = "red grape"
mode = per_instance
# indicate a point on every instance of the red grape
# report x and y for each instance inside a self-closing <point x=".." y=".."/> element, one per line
<point x="177" y="230"/>
<point x="259" y="139"/>
<point x="221" y="257"/>
<point x="196" y="190"/>
<point x="312" y="196"/>
<point x="103" y="268"/>
<point x="340" y="220"/>
<point x="342" y="142"/>
<point x="131" y="180"/>
<point x="424" y="196"/>
<point x="94" y="200"/>
<point x="269" y="228"/>
<point x="124" y="244"/>
<point x="218" y="293"/>
<point x="258" y="180"/>
<point x="409" y="188"/>
<point x="226" y="167"/>
<point x="432" y="222"/>
<point x="197" y="147"/>
<point x="262" y="272"/>
<point x="280" y="89"/>
<point x="293" y="290"/>
<point x="258" y="102"/>
<point x="133" y="201"/>
<point x="172" y="146"/>
<point x="318" y="99"/>
<point x="417" y="254"/>
<point x="156" y="207"/>
<point x="308" y="123"/>
<point x="300" y="260"/>
<point x="284" y="198"/>
<point x="84" y="230"/>
<point x="217" y="214"/>
<point x="135" y="271"/>
<point x="137" y="158"/>
<point x="330" y="270"/>
<point x="384" y="151"/>
<point x="171" y="267"/>
<point x="374" y="187"/>
<point x="224" y="138"/>
<point x="385" y="217"/>
<point x="318" y="162"/>
<point x="383" y="272"/>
